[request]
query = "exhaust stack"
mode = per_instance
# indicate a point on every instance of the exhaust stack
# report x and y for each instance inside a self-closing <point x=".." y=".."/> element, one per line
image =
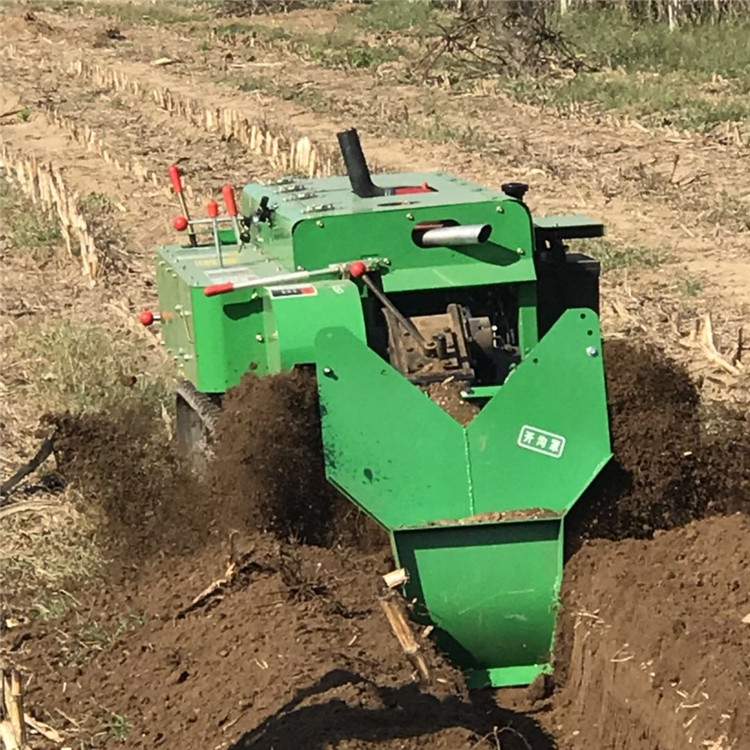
<point x="457" y="236"/>
<point x="359" y="172"/>
<point x="356" y="166"/>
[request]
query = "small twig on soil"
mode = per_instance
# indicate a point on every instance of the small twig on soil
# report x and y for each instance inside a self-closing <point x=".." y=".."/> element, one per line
<point x="621" y="655"/>
<point x="736" y="356"/>
<point x="212" y="590"/>
<point x="45" y="450"/>
<point x="67" y="718"/>
<point x="236" y="566"/>
<point x="675" y="162"/>
<point x="687" y="231"/>
<point x="30" y="506"/>
<point x="44" y="729"/>
<point x="495" y="735"/>
<point x="405" y="637"/>
<point x="396" y="578"/>
<point x="706" y="339"/>
<point x="162" y="61"/>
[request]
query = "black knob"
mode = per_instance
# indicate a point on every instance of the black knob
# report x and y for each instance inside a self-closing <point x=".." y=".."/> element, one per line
<point x="515" y="189"/>
<point x="263" y="212"/>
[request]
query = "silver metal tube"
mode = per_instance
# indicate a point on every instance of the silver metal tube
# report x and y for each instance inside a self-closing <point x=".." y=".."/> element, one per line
<point x="217" y="241"/>
<point x="290" y="277"/>
<point x="466" y="234"/>
<point x="219" y="219"/>
<point x="236" y="227"/>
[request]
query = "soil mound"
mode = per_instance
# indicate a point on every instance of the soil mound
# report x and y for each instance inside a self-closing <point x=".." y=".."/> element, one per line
<point x="670" y="466"/>
<point x="294" y="651"/>
<point x="680" y="677"/>
<point x="295" y="648"/>
<point x="131" y="479"/>
<point x="269" y="469"/>
<point x="268" y="475"/>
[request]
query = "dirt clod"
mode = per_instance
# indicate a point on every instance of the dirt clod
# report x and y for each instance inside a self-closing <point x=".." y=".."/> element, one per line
<point x="269" y="472"/>
<point x="670" y="467"/>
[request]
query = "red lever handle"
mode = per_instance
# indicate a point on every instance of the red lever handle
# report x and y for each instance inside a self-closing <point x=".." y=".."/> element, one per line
<point x="228" y="192"/>
<point x="213" y="209"/>
<point x="147" y="317"/>
<point x="174" y="175"/>
<point x="213" y="289"/>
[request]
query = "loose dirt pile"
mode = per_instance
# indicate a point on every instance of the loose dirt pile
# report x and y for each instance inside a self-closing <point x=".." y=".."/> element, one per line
<point x="293" y="646"/>
<point x="662" y="660"/>
<point x="269" y="470"/>
<point x="671" y="464"/>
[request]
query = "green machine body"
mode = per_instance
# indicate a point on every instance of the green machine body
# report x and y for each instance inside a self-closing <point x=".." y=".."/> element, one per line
<point x="387" y="290"/>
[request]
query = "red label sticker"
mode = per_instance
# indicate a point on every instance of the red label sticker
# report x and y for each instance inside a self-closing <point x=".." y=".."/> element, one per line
<point x="294" y="291"/>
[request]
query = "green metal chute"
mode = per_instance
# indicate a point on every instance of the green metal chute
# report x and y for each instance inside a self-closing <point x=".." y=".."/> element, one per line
<point x="396" y="454"/>
<point x="475" y="513"/>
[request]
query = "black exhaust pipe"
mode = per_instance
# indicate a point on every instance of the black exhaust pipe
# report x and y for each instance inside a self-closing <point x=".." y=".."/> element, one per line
<point x="356" y="166"/>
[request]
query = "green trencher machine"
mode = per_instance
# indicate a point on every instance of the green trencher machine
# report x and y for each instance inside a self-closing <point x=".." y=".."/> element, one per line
<point x="386" y="289"/>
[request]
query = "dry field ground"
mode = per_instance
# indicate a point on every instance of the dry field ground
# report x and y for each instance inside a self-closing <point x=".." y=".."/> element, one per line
<point x="102" y="547"/>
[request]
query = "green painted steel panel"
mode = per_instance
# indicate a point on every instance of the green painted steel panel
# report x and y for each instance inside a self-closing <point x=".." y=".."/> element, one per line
<point x="528" y="331"/>
<point x="298" y="198"/>
<point x="487" y="580"/>
<point x="544" y="436"/>
<point x="506" y="257"/>
<point x="176" y="335"/>
<point x="491" y="591"/>
<point x="293" y="320"/>
<point x="226" y="330"/>
<point x="393" y="451"/>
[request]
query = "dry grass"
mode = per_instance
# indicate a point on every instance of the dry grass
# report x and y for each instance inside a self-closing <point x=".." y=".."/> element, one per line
<point x="62" y="351"/>
<point x="46" y="552"/>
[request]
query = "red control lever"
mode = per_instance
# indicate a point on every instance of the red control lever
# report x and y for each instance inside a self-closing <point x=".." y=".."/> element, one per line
<point x="212" y="289"/>
<point x="212" y="208"/>
<point x="176" y="178"/>
<point x="228" y="192"/>
<point x="174" y="175"/>
<point x="147" y="317"/>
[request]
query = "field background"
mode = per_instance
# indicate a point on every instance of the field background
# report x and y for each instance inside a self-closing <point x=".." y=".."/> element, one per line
<point x="634" y="113"/>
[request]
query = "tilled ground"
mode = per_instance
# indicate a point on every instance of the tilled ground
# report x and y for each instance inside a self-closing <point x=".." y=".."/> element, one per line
<point x="295" y="650"/>
<point x="293" y="643"/>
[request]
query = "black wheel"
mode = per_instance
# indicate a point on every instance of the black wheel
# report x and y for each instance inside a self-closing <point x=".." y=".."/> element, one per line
<point x="196" y="413"/>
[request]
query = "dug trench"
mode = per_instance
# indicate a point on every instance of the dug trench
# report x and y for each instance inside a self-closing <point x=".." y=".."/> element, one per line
<point x="244" y="611"/>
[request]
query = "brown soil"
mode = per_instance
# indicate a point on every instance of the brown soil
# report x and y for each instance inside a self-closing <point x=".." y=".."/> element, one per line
<point x="671" y="464"/>
<point x="295" y="651"/>
<point x="293" y="646"/>
<point x="447" y="395"/>
<point x="269" y="471"/>
<point x="296" y="644"/>
<point x="145" y="499"/>
<point x="658" y="647"/>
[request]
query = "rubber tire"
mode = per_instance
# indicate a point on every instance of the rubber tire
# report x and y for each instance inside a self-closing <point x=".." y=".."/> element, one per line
<point x="193" y="439"/>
